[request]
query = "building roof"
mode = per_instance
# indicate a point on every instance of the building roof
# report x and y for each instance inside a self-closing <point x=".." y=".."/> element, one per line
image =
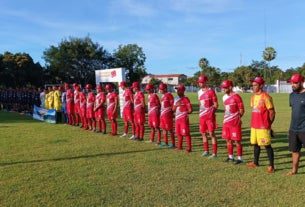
<point x="166" y="75"/>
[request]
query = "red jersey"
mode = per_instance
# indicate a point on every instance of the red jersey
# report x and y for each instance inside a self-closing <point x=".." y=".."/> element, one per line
<point x="153" y="104"/>
<point x="206" y="100"/>
<point x="76" y="97"/>
<point x="232" y="105"/>
<point x="167" y="102"/>
<point x="99" y="99"/>
<point x="90" y="100"/>
<point x="183" y="108"/>
<point x="69" y="97"/>
<point x="127" y="99"/>
<point x="82" y="103"/>
<point x="261" y="104"/>
<point x="111" y="99"/>
<point x="138" y="99"/>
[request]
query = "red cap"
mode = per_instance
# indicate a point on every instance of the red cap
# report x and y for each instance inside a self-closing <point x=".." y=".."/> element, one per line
<point x="88" y="86"/>
<point x="123" y="84"/>
<point x="226" y="84"/>
<point x="296" y="78"/>
<point x="202" y="79"/>
<point x="180" y="87"/>
<point x="258" y="80"/>
<point x="108" y="87"/>
<point x="99" y="87"/>
<point x="135" y="85"/>
<point x="162" y="86"/>
<point x="66" y="85"/>
<point x="149" y="87"/>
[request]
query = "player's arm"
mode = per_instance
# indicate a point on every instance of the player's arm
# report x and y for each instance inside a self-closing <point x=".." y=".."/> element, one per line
<point x="189" y="107"/>
<point x="240" y="105"/>
<point x="215" y="101"/>
<point x="115" y="104"/>
<point x="271" y="115"/>
<point x="143" y="101"/>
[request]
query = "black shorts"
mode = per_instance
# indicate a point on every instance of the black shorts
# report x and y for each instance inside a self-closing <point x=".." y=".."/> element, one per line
<point x="296" y="141"/>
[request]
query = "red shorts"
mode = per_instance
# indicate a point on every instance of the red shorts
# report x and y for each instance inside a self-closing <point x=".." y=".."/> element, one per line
<point x="207" y="125"/>
<point x="154" y="121"/>
<point x="76" y="108"/>
<point x="89" y="113"/>
<point x="83" y="112"/>
<point x="166" y="123"/>
<point x="139" y="118"/>
<point x="111" y="116"/>
<point x="99" y="114"/>
<point x="182" y="127"/>
<point x="128" y="116"/>
<point x="231" y="133"/>
<point x="70" y="108"/>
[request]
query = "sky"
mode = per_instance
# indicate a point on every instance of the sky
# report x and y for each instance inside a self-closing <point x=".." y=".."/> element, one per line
<point x="174" y="34"/>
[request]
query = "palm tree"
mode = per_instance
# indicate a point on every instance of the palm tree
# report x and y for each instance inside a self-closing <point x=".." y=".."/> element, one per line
<point x="269" y="54"/>
<point x="203" y="63"/>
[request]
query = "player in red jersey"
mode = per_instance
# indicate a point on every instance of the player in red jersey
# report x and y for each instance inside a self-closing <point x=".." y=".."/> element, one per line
<point x="90" y="107"/>
<point x="153" y="105"/>
<point x="207" y="120"/>
<point x="99" y="109"/>
<point x="82" y="107"/>
<point x="112" y="106"/>
<point x="70" y="105"/>
<point x="182" y="107"/>
<point x="166" y="115"/>
<point x="76" y="103"/>
<point x="231" y="128"/>
<point x="139" y="111"/>
<point x="127" y="110"/>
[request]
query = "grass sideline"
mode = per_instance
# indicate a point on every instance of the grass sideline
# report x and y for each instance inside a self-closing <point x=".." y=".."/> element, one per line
<point x="58" y="165"/>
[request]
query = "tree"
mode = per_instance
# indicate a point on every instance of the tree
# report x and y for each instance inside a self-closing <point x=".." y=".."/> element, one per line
<point x="242" y="76"/>
<point x="132" y="58"/>
<point x="269" y="54"/>
<point x="75" y="60"/>
<point x="19" y="70"/>
<point x="155" y="82"/>
<point x="203" y="63"/>
<point x="212" y="73"/>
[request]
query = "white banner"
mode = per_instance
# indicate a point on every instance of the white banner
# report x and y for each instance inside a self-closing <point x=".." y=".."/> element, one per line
<point x="110" y="75"/>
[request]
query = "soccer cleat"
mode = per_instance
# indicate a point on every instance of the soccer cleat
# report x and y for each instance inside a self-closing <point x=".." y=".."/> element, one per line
<point x="163" y="144"/>
<point x="251" y="165"/>
<point x="139" y="139"/>
<point x="171" y="146"/>
<point x="238" y="162"/>
<point x="132" y="137"/>
<point x="205" y="154"/>
<point x="270" y="169"/>
<point x="229" y="160"/>
<point x="213" y="156"/>
<point x="291" y="173"/>
<point x="123" y="135"/>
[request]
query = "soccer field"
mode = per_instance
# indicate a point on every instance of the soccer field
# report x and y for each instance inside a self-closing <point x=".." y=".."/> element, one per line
<point x="59" y="165"/>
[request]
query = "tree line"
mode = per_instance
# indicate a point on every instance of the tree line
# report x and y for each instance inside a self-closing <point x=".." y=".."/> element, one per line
<point x="76" y="59"/>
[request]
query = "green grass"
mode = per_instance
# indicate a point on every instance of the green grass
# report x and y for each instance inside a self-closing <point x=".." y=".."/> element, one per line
<point x="58" y="165"/>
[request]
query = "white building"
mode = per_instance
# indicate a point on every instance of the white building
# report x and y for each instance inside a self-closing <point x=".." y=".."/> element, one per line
<point x="170" y="79"/>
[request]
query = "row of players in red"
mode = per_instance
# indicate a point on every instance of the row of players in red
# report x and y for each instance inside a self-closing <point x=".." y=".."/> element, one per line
<point x="162" y="113"/>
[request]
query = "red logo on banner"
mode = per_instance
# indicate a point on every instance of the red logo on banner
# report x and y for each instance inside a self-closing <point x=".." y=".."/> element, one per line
<point x="113" y="73"/>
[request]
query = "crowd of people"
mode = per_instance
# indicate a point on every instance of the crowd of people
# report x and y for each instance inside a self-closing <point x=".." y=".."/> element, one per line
<point x="168" y="117"/>
<point x="20" y="99"/>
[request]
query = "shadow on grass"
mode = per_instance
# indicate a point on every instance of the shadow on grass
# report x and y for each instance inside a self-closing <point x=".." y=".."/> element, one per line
<point x="77" y="157"/>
